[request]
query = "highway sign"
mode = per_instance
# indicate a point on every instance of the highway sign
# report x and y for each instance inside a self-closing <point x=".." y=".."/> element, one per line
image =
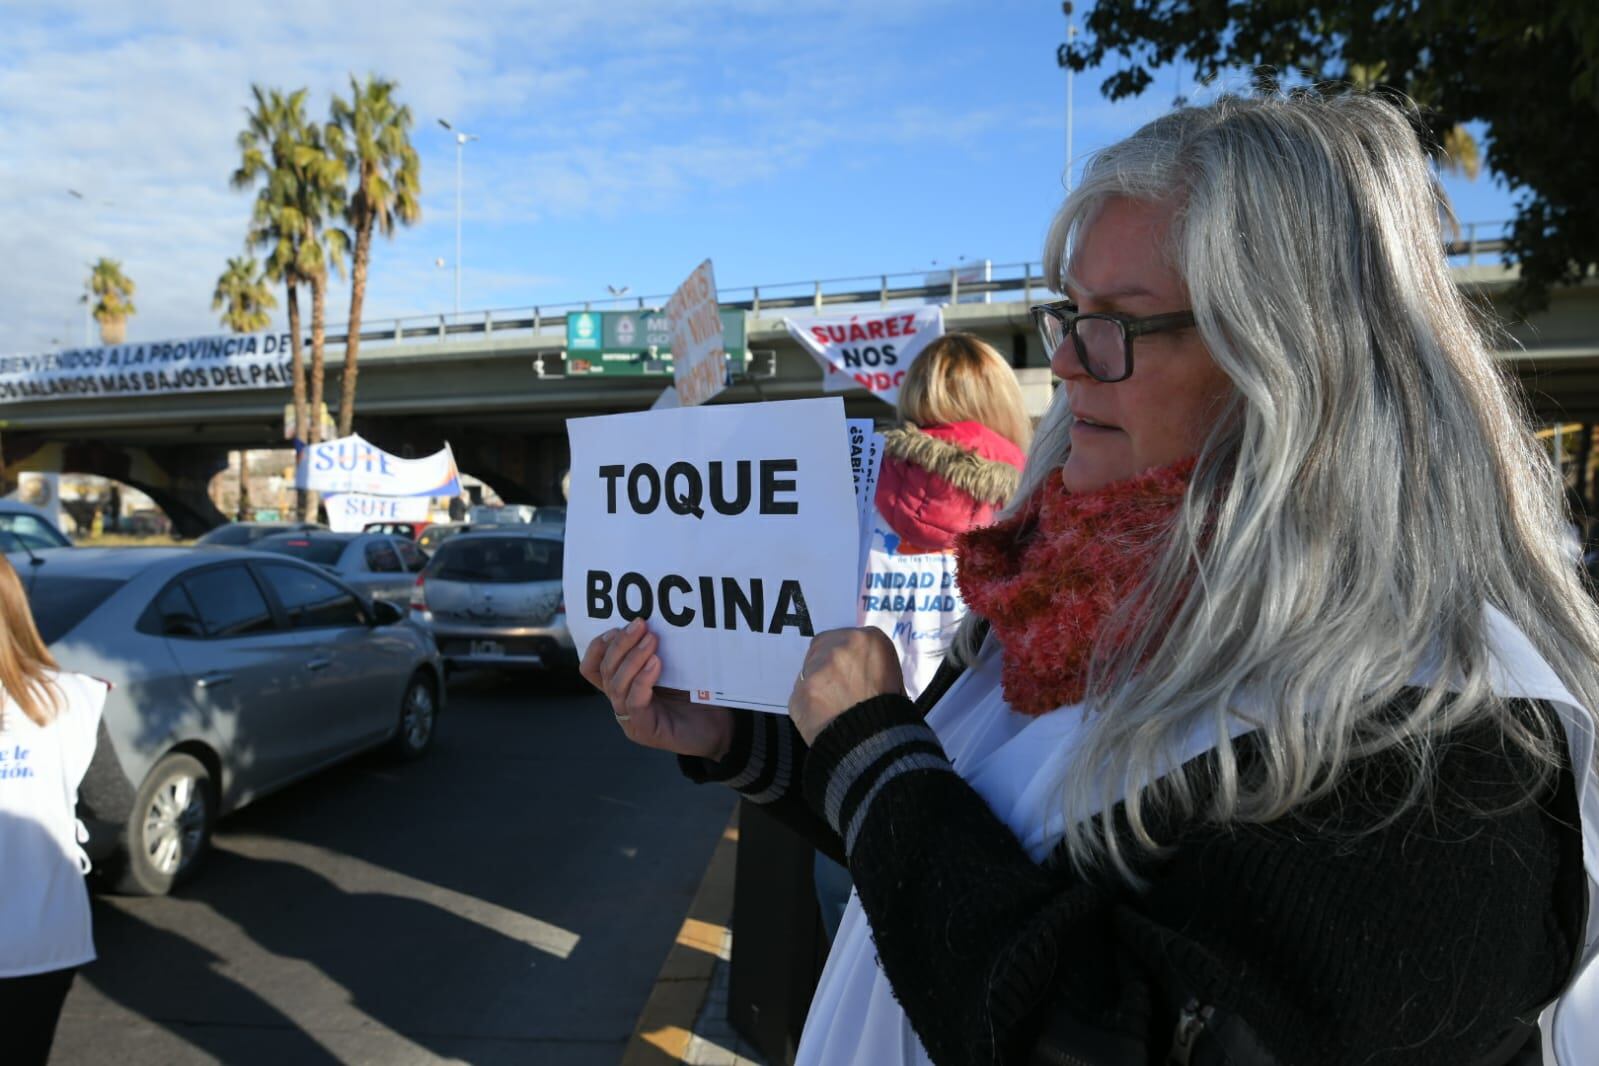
<point x="620" y="343"/>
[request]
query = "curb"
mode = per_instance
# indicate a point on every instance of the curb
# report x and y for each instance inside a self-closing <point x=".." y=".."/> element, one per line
<point x="665" y="1027"/>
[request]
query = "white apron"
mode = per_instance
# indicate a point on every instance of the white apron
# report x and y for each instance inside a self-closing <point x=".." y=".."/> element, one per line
<point x="1015" y="763"/>
<point x="44" y="905"/>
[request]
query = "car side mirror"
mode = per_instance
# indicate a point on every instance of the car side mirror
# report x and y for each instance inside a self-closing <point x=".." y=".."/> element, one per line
<point x="385" y="613"/>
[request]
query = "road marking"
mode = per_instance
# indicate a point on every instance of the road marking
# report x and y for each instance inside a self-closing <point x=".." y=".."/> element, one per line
<point x="357" y="875"/>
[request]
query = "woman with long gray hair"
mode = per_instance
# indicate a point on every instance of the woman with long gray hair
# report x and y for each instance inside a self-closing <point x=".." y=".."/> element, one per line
<point x="1268" y="739"/>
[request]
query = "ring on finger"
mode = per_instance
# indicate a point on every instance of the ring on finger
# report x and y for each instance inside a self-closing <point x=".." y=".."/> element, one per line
<point x="620" y="718"/>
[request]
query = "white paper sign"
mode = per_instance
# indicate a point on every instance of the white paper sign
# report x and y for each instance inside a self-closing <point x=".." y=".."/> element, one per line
<point x="699" y="356"/>
<point x="350" y="512"/>
<point x="729" y="529"/>
<point x="871" y="350"/>
<point x="351" y="464"/>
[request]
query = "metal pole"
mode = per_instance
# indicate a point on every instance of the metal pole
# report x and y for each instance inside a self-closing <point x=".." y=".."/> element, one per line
<point x="460" y="145"/>
<point x="1071" y="34"/>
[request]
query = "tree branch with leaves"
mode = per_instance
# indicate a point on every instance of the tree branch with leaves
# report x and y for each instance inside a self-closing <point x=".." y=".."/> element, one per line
<point x="1529" y="75"/>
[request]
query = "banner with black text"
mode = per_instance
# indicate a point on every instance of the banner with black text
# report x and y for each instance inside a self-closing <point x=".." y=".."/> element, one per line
<point x="202" y="364"/>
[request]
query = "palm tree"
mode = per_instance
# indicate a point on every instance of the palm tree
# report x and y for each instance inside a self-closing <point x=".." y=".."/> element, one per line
<point x="111" y="289"/>
<point x="322" y="195"/>
<point x="303" y="187"/>
<point x="243" y="297"/>
<point x="273" y="128"/>
<point x="376" y="148"/>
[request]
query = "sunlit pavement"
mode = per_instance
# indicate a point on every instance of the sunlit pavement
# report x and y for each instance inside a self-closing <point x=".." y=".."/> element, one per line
<point x="508" y="899"/>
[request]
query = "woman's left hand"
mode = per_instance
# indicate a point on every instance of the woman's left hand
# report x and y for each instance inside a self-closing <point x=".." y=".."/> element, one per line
<point x="842" y="668"/>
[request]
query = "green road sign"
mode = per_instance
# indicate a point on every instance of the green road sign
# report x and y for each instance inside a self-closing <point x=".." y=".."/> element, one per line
<point x="637" y="343"/>
<point x="583" y="331"/>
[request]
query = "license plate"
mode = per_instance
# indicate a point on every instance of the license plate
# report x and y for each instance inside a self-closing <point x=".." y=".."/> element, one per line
<point x="488" y="648"/>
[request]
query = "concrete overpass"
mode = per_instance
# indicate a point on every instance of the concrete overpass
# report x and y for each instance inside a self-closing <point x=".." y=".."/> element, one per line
<point x="494" y="385"/>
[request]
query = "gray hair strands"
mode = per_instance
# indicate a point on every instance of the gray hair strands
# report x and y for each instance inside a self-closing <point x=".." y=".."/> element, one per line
<point x="1372" y="488"/>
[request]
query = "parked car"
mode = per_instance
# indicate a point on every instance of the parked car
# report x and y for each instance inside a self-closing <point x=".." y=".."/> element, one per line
<point x="439" y="532"/>
<point x="24" y="527"/>
<point x="233" y="674"/>
<point x="493" y="598"/>
<point x="551" y="516"/>
<point x="512" y="514"/>
<point x="244" y="534"/>
<point x="408" y="530"/>
<point x="381" y="566"/>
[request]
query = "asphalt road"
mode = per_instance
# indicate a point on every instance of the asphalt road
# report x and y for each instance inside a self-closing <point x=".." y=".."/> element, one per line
<point x="507" y="899"/>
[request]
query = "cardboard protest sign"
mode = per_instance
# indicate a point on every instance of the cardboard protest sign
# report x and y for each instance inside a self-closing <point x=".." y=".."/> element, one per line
<point x="869" y="349"/>
<point x="351" y="464"/>
<point x="730" y="530"/>
<point x="699" y="357"/>
<point x="351" y="511"/>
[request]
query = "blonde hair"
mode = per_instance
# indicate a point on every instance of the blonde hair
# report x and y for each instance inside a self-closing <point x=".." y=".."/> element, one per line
<point x="961" y="378"/>
<point x="26" y="665"/>
<point x="1372" y="491"/>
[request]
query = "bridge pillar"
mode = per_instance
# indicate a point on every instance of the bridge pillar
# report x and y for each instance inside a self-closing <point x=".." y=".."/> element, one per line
<point x="177" y="478"/>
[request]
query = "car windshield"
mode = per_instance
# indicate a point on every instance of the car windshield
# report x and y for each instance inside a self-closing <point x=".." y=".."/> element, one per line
<point x="230" y="536"/>
<point x="324" y="551"/>
<point x="60" y="603"/>
<point x="498" y="560"/>
<point x="19" y="531"/>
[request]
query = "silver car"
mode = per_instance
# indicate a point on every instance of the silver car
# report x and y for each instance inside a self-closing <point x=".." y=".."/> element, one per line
<point x="25" y="528"/>
<point x="234" y="673"/>
<point x="245" y="534"/>
<point x="493" y="598"/>
<point x="380" y="565"/>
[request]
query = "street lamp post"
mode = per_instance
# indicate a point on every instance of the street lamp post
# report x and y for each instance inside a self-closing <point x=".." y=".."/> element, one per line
<point x="1071" y="35"/>
<point x="460" y="143"/>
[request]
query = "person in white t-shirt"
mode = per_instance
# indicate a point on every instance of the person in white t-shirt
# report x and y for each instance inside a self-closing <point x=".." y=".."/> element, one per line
<point x="48" y="726"/>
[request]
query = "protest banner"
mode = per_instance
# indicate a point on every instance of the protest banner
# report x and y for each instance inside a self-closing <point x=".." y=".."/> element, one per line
<point x="866" y="462"/>
<point x="730" y="530"/>
<point x="202" y="364"/>
<point x="349" y="512"/>
<point x="699" y="357"/>
<point x="351" y="464"/>
<point x="912" y="598"/>
<point x="869" y="349"/>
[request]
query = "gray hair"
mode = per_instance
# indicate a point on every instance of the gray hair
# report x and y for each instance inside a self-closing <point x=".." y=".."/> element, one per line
<point x="1371" y="488"/>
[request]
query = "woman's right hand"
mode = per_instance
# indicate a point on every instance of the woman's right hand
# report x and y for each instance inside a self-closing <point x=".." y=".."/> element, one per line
<point x="623" y="664"/>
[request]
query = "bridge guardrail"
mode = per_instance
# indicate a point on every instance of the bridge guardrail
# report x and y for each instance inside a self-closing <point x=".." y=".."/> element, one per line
<point x="1023" y="281"/>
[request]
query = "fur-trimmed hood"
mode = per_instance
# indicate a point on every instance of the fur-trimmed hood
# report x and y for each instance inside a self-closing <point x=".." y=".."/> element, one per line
<point x="938" y="481"/>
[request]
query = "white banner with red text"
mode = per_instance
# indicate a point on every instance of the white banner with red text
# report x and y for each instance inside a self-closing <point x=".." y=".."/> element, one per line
<point x="870" y="350"/>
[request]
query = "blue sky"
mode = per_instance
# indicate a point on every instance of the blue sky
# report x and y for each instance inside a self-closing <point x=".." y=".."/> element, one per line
<point x="621" y="143"/>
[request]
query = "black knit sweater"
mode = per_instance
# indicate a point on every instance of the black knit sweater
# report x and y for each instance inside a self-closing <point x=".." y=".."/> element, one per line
<point x="1323" y="938"/>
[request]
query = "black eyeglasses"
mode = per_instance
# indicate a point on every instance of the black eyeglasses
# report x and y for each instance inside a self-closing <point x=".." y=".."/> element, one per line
<point x="1103" y="341"/>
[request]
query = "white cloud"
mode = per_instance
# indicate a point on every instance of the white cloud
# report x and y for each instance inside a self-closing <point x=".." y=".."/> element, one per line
<point x="593" y="112"/>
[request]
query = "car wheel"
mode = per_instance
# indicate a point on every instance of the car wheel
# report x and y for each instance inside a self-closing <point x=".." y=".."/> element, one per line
<point x="419" y="715"/>
<point x="169" y="827"/>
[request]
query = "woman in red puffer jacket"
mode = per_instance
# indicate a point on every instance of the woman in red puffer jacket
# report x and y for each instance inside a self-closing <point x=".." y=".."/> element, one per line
<point x="957" y="458"/>
<point x="953" y="462"/>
